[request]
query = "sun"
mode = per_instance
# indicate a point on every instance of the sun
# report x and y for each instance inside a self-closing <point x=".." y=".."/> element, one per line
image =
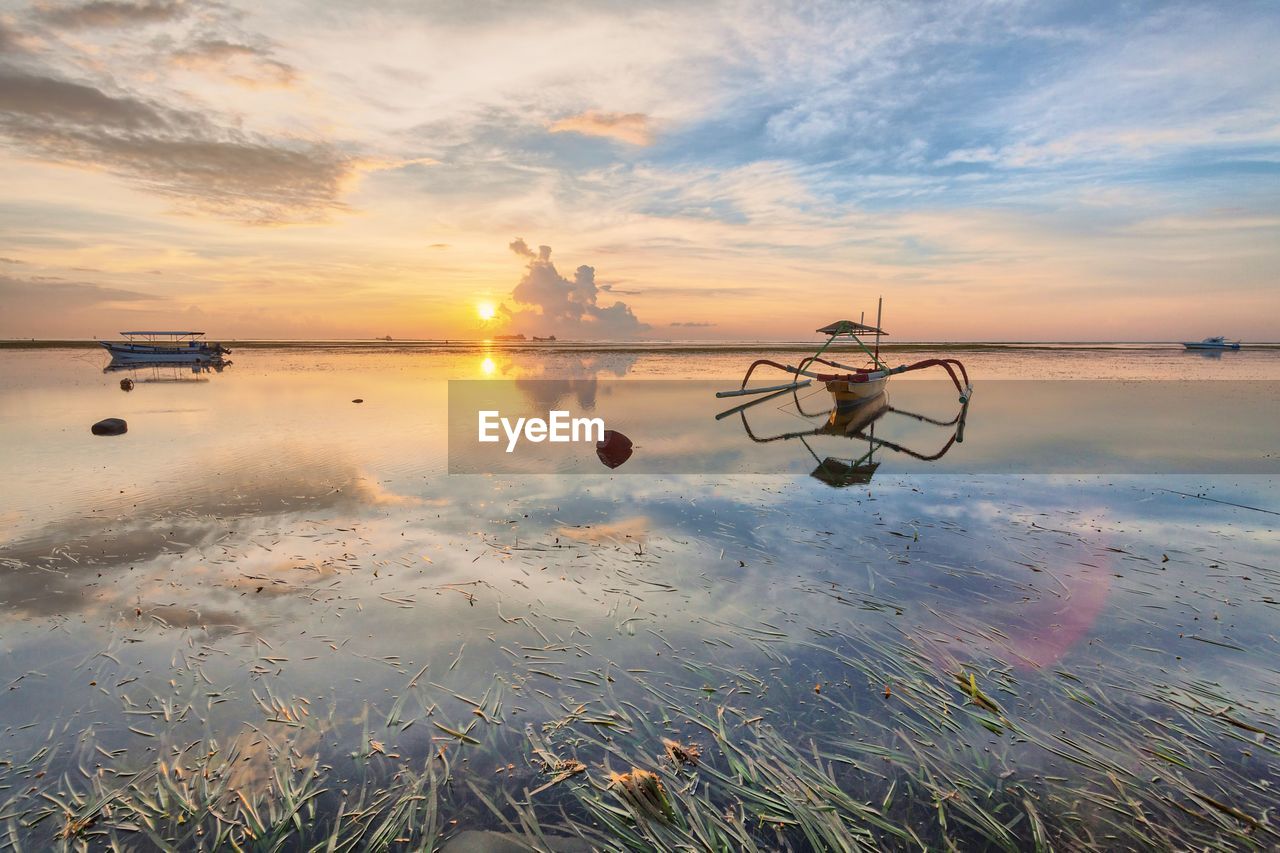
<point x="486" y="310"/>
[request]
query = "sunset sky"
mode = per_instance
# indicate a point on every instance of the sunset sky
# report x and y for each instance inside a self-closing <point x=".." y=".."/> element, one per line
<point x="995" y="170"/>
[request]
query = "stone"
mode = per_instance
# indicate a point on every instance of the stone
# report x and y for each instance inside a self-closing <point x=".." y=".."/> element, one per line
<point x="110" y="426"/>
<point x="614" y="449"/>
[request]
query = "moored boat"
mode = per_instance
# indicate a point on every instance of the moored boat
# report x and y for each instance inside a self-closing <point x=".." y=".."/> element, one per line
<point x="856" y="384"/>
<point x="1218" y="342"/>
<point x="165" y="347"/>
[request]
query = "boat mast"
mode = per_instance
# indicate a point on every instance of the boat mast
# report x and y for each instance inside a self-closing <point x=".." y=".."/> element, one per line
<point x="879" y="310"/>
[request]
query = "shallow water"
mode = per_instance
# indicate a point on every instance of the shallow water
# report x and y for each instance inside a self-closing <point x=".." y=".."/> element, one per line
<point x="262" y="568"/>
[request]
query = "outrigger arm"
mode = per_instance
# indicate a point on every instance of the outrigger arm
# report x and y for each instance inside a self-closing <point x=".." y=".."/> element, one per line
<point x="965" y="388"/>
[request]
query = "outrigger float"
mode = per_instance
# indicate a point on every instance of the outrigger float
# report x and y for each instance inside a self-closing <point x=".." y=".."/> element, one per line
<point x="858" y="383"/>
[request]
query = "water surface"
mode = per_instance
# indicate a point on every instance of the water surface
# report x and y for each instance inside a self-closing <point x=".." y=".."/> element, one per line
<point x="268" y="585"/>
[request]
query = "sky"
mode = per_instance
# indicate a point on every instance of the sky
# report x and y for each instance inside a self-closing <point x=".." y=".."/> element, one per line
<point x="609" y="170"/>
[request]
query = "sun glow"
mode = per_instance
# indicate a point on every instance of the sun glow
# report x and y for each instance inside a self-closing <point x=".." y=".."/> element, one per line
<point x="486" y="310"/>
<point x="487" y="367"/>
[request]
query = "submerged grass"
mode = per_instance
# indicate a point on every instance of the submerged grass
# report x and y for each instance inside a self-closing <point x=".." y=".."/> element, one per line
<point x="859" y="716"/>
<point x="210" y="797"/>
<point x="750" y="764"/>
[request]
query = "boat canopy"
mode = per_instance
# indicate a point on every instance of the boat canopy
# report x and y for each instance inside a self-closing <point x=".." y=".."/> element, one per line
<point x="173" y="334"/>
<point x="848" y="327"/>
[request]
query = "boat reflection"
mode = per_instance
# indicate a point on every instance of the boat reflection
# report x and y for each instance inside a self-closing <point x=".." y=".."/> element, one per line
<point x="164" y="371"/>
<point x="1212" y="354"/>
<point x="857" y="422"/>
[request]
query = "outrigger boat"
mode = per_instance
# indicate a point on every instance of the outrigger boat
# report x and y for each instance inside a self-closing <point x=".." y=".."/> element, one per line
<point x="165" y="346"/>
<point x="1219" y="342"/>
<point x="858" y="383"/>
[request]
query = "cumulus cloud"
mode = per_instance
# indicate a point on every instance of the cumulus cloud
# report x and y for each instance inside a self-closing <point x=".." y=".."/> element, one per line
<point x="548" y="303"/>
<point x="247" y="65"/>
<point x="111" y="13"/>
<point x="176" y="153"/>
<point x="632" y="128"/>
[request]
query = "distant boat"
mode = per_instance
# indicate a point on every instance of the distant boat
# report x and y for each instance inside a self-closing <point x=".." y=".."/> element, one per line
<point x="544" y="340"/>
<point x="1220" y="342"/>
<point x="169" y="347"/>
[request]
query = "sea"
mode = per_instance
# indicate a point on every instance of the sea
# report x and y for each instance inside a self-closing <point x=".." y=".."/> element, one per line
<point x="300" y="605"/>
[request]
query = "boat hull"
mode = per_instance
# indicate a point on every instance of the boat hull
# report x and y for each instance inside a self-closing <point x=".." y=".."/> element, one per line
<point x="854" y="393"/>
<point x="181" y="355"/>
<point x="1211" y="346"/>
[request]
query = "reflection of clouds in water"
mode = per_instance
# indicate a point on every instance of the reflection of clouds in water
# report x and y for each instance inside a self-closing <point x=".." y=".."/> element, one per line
<point x="971" y="573"/>
<point x="760" y="555"/>
<point x="968" y="571"/>
<point x="541" y="584"/>
<point x="551" y="378"/>
<point x="72" y="563"/>
<point x="256" y="751"/>
<point x="635" y="529"/>
<point x="763" y="544"/>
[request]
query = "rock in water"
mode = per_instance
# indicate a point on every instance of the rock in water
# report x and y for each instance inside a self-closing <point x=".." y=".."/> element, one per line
<point x="358" y="400"/>
<point x="614" y="449"/>
<point x="110" y="426"/>
<point x="126" y="384"/>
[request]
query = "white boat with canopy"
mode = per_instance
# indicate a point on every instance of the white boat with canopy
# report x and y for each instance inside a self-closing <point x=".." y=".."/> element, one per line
<point x="165" y="346"/>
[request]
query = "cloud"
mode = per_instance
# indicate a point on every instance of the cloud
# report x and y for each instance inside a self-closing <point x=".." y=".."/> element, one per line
<point x="29" y="303"/>
<point x="632" y="128"/>
<point x="66" y="294"/>
<point x="112" y="13"/>
<point x="45" y="99"/>
<point x="547" y="302"/>
<point x="253" y="67"/>
<point x="175" y="153"/>
<point x="520" y="247"/>
<point x="11" y="41"/>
